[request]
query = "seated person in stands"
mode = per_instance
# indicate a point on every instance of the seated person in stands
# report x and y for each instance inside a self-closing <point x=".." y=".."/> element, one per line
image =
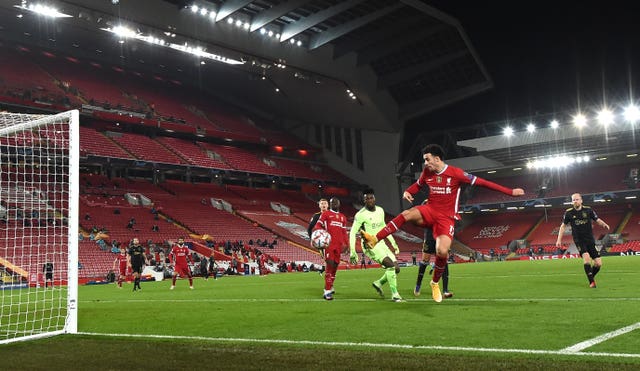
<point x="129" y="225"/>
<point x="116" y="211"/>
<point x="155" y="228"/>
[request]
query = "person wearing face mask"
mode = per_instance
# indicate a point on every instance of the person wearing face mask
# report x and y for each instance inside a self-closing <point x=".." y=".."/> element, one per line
<point x="180" y="258"/>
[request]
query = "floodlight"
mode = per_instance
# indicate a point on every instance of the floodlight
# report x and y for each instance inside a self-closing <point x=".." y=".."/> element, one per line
<point x="555" y="124"/>
<point x="194" y="8"/>
<point x="44" y="10"/>
<point x="508" y="131"/>
<point x="531" y="127"/>
<point x="605" y="117"/>
<point x="579" y="120"/>
<point x="632" y="114"/>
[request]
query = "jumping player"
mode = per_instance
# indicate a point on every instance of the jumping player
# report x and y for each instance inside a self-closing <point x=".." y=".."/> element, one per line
<point x="441" y="212"/>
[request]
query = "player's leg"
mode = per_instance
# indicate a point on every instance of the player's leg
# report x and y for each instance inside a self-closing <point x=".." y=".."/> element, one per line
<point x="188" y="271"/>
<point x="445" y="283"/>
<point x="412" y="215"/>
<point x="422" y="268"/>
<point x="173" y="279"/>
<point x="596" y="264"/>
<point x="391" y="271"/>
<point x="329" y="278"/>
<point x="377" y="284"/>
<point x="586" y="263"/>
<point x="443" y="243"/>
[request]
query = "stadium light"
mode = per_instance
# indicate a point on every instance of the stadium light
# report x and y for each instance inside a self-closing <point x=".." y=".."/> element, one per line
<point x="605" y="117"/>
<point x="555" y="124"/>
<point x="194" y="8"/>
<point x="230" y="20"/>
<point x="508" y="131"/>
<point x="44" y="10"/>
<point x="579" y="120"/>
<point x="631" y="114"/>
<point x="531" y="127"/>
<point x="203" y="11"/>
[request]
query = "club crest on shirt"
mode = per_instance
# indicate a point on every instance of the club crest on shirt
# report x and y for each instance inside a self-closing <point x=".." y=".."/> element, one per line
<point x="438" y="179"/>
<point x="584" y="214"/>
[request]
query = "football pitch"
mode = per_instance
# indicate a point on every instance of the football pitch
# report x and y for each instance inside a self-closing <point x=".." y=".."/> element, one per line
<point x="504" y="315"/>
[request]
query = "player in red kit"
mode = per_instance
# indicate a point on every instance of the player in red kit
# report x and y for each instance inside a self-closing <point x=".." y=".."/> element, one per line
<point x="121" y="263"/>
<point x="336" y="224"/>
<point x="180" y="257"/>
<point x="441" y="212"/>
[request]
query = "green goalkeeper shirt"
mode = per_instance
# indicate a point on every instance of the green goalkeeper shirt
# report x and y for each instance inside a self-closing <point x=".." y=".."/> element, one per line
<point x="372" y="222"/>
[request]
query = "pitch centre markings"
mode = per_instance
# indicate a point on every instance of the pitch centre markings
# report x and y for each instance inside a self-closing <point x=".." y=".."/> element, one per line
<point x="602" y="338"/>
<point x="368" y="345"/>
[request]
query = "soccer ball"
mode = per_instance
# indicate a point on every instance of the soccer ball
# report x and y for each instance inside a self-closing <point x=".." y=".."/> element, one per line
<point x="320" y="239"/>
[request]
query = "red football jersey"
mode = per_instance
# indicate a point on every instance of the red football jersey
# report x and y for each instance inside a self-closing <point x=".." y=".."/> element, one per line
<point x="444" y="188"/>
<point x="180" y="255"/>
<point x="122" y="262"/>
<point x="336" y="224"/>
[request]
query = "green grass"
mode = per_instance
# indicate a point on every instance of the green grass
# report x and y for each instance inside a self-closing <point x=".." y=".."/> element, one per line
<point x="281" y="321"/>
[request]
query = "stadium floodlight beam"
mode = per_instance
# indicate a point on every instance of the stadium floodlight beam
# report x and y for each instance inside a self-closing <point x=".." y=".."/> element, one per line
<point x="632" y="114"/>
<point x="555" y="124"/>
<point x="44" y="10"/>
<point x="579" y="120"/>
<point x="508" y="131"/>
<point x="605" y="117"/>
<point x="194" y="8"/>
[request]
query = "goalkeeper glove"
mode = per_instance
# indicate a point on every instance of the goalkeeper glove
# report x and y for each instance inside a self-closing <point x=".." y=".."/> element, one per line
<point x="354" y="258"/>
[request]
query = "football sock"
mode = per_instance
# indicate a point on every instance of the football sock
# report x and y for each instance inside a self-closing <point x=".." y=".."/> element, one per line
<point x="190" y="281"/>
<point x="391" y="277"/>
<point x="391" y="227"/>
<point x="588" y="270"/>
<point x="120" y="282"/>
<point x="595" y="270"/>
<point x="445" y="278"/>
<point x="441" y="264"/>
<point x="329" y="277"/>
<point x="174" y="280"/>
<point x="422" y="267"/>
<point x="384" y="278"/>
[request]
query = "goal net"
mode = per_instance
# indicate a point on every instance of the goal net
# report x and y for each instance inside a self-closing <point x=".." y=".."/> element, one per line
<point x="38" y="225"/>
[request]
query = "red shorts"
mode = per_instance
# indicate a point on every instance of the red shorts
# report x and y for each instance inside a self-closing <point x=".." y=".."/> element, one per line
<point x="332" y="253"/>
<point x="123" y="271"/>
<point x="182" y="270"/>
<point x="440" y="224"/>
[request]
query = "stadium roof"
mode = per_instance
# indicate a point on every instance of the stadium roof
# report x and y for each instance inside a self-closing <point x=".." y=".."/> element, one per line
<point x="358" y="63"/>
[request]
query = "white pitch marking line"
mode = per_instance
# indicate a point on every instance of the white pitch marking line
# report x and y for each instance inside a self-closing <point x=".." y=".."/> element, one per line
<point x="370" y="345"/>
<point x="597" y="340"/>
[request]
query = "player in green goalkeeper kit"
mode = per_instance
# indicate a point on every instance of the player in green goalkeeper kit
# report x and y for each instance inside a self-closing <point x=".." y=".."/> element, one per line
<point x="371" y="219"/>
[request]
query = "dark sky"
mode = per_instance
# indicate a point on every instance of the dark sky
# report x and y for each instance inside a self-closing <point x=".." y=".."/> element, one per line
<point x="544" y="57"/>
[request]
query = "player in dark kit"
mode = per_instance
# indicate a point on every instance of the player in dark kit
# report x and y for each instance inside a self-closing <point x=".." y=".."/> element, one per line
<point x="580" y="217"/>
<point x="137" y="261"/>
<point x="323" y="205"/>
<point x="47" y="269"/>
<point x="335" y="223"/>
<point x="428" y="249"/>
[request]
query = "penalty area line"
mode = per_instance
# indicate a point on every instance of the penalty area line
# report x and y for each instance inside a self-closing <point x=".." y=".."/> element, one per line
<point x="362" y="345"/>
<point x="602" y="338"/>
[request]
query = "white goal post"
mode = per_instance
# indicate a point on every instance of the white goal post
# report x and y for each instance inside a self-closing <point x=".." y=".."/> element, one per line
<point x="39" y="190"/>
